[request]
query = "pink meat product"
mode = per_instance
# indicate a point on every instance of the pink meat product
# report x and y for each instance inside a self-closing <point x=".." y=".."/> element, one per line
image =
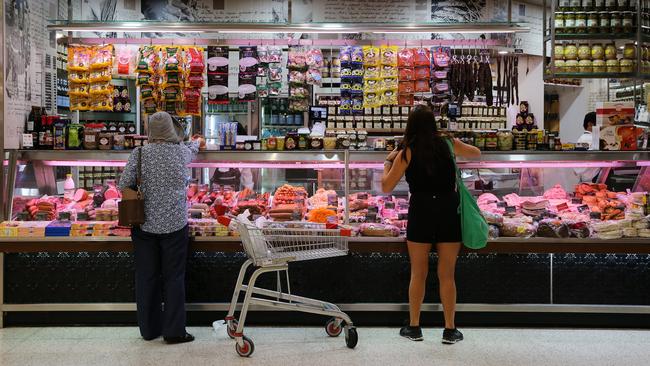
<point x="487" y="198"/>
<point x="112" y="193"/>
<point x="557" y="192"/>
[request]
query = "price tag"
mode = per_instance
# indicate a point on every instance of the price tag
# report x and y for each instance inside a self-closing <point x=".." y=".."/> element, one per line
<point x="402" y="216"/>
<point x="576" y="201"/>
<point x="362" y="196"/>
<point x="583" y="208"/>
<point x="511" y="209"/>
<point x="28" y="141"/>
<point x="595" y="215"/>
<point x="389" y="205"/>
<point x="562" y="207"/>
<point x="502" y="204"/>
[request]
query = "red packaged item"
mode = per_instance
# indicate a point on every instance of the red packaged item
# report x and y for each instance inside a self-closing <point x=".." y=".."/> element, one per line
<point x="406" y="87"/>
<point x="192" y="94"/>
<point x="406" y="58"/>
<point x="405" y="99"/>
<point x="195" y="80"/>
<point x="407" y="74"/>
<point x="422" y="73"/>
<point x="194" y="61"/>
<point x="422" y="57"/>
<point x="422" y="86"/>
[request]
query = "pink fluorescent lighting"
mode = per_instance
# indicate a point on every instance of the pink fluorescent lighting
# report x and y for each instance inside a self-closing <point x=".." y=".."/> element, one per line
<point x="298" y="165"/>
<point x="84" y="163"/>
<point x="516" y="165"/>
<point x="643" y="163"/>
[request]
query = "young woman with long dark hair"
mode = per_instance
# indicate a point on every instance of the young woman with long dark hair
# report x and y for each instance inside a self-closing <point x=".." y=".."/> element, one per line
<point x="425" y="158"/>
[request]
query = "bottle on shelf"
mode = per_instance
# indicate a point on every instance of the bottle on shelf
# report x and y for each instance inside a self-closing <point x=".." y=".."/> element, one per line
<point x="68" y="187"/>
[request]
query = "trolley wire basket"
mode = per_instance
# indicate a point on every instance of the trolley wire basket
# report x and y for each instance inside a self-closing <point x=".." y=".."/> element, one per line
<point x="271" y="248"/>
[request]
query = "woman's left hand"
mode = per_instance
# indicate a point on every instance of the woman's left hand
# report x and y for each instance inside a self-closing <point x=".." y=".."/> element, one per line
<point x="393" y="154"/>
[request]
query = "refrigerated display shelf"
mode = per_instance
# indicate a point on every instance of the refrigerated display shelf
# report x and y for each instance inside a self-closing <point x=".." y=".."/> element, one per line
<point x="331" y="156"/>
<point x="356" y="244"/>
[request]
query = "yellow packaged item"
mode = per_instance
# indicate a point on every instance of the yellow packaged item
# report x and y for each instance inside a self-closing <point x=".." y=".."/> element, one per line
<point x="371" y="72"/>
<point x="78" y="58"/>
<point x="148" y="59"/>
<point x="102" y="88"/>
<point x="371" y="85"/>
<point x="79" y="103"/>
<point x="78" y="90"/>
<point x="145" y="79"/>
<point x="389" y="55"/>
<point x="101" y="57"/>
<point x="370" y="56"/>
<point x="100" y="75"/>
<point x="171" y="58"/>
<point x="101" y="103"/>
<point x="79" y="77"/>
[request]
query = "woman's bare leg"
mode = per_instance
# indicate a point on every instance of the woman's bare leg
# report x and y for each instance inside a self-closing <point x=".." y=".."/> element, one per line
<point x="447" y="255"/>
<point x="419" y="256"/>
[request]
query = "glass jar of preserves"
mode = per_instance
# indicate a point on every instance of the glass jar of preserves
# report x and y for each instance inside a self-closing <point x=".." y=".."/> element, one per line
<point x="560" y="65"/>
<point x="616" y="23"/>
<point x="569" y="22"/>
<point x="585" y="66"/>
<point x="629" y="51"/>
<point x="575" y="5"/>
<point x="645" y="53"/>
<point x="604" y="24"/>
<point x="645" y="66"/>
<point x="565" y="5"/>
<point x="571" y="51"/>
<point x="597" y="51"/>
<point x="610" y="52"/>
<point x="491" y="141"/>
<point x="479" y="140"/>
<point x="623" y="4"/>
<point x="599" y="5"/>
<point x="599" y="66"/>
<point x="519" y="138"/>
<point x="627" y="20"/>
<point x="611" y="5"/>
<point x="571" y="66"/>
<point x="592" y="22"/>
<point x="626" y="65"/>
<point x="291" y="141"/>
<point x="558" y="51"/>
<point x="613" y="66"/>
<point x="559" y="22"/>
<point x="329" y="142"/>
<point x="303" y="141"/>
<point x="584" y="52"/>
<point x="505" y="140"/>
<point x="581" y="23"/>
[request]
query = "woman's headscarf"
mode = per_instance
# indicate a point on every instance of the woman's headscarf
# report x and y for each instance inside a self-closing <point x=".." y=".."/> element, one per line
<point x="162" y="128"/>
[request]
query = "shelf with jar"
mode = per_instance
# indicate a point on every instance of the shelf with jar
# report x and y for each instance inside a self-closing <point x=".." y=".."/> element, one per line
<point x="598" y="60"/>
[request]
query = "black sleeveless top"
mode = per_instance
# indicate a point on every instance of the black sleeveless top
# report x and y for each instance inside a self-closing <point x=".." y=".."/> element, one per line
<point x="442" y="178"/>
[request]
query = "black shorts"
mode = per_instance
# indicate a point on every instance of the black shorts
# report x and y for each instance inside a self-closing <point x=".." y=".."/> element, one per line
<point x="434" y="218"/>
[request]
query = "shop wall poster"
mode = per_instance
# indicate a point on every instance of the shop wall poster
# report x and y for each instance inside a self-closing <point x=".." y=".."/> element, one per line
<point x="29" y="63"/>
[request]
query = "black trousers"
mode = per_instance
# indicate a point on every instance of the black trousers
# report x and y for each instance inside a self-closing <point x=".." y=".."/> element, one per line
<point x="160" y="261"/>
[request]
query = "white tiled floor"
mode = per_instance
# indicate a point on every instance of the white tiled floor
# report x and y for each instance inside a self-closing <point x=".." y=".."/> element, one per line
<point x="310" y="346"/>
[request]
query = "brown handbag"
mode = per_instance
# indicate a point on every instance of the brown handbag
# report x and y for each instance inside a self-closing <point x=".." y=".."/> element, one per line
<point x="131" y="207"/>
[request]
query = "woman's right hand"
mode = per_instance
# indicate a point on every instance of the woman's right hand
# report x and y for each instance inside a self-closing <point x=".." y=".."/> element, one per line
<point x="393" y="154"/>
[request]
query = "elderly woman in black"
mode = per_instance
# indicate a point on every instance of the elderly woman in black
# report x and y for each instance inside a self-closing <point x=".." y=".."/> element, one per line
<point x="161" y="242"/>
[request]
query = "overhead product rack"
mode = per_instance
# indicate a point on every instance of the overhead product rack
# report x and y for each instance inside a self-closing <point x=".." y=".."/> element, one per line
<point x="262" y="28"/>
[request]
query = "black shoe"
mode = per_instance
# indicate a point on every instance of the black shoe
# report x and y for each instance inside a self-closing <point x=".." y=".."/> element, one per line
<point x="182" y="339"/>
<point x="412" y="333"/>
<point x="451" y="336"/>
<point x="150" y="338"/>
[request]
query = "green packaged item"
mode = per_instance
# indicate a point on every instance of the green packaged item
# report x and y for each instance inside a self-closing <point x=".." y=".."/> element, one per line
<point x="475" y="229"/>
<point x="75" y="137"/>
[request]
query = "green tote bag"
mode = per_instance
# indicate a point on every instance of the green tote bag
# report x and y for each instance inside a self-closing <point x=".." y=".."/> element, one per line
<point x="474" y="226"/>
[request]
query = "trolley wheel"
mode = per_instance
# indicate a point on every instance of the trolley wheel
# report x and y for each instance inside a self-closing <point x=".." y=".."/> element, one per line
<point x="331" y="329"/>
<point x="231" y="328"/>
<point x="247" y="349"/>
<point x="351" y="337"/>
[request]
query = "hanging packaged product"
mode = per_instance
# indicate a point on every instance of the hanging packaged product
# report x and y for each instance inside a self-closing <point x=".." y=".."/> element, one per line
<point x="98" y="75"/>
<point x="371" y="56"/>
<point x="352" y="78"/>
<point x="124" y="60"/>
<point x="79" y="58"/>
<point x="299" y="94"/>
<point x="101" y="57"/>
<point x="440" y="73"/>
<point x="193" y="60"/>
<point x="79" y="103"/>
<point x="217" y="75"/>
<point x="101" y="88"/>
<point x="79" y="90"/>
<point x="101" y="103"/>
<point x="147" y="91"/>
<point x="149" y="106"/>
<point x="218" y="89"/>
<point x="389" y="55"/>
<point x="171" y="56"/>
<point x="406" y="58"/>
<point x="79" y="77"/>
<point x="148" y="59"/>
<point x="248" y="64"/>
<point x="388" y="72"/>
<point x="170" y="93"/>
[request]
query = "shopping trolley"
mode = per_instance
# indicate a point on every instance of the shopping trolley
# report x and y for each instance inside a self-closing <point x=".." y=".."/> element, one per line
<point x="270" y="249"/>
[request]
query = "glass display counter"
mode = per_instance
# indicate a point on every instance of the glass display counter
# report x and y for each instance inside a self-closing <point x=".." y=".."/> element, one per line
<point x="553" y="217"/>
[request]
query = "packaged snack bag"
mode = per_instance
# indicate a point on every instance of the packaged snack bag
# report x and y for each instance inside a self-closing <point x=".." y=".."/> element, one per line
<point x="79" y="77"/>
<point x="101" y="57"/>
<point x="193" y="60"/>
<point x="314" y="58"/>
<point x="218" y="60"/>
<point x="389" y="55"/>
<point x="422" y="57"/>
<point x="78" y="90"/>
<point x="101" y="88"/>
<point x="389" y="71"/>
<point x="97" y="75"/>
<point x="79" y="58"/>
<point x="147" y="60"/>
<point x="171" y="58"/>
<point x="372" y="72"/>
<point x="406" y="74"/>
<point x="406" y="58"/>
<point x="79" y="103"/>
<point x="101" y="103"/>
<point x="422" y="73"/>
<point x="370" y="56"/>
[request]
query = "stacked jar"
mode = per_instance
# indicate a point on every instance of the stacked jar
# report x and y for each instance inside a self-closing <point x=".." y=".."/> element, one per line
<point x="595" y="16"/>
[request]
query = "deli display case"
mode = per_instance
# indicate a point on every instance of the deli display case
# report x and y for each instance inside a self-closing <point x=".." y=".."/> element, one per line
<point x="555" y="217"/>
